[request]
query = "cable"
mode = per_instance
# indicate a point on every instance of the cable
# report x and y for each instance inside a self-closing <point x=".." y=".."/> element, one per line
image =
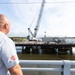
<point x="33" y="19"/>
<point x="35" y="2"/>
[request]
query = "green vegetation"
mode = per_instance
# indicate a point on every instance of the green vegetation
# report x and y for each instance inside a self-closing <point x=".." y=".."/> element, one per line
<point x="18" y="39"/>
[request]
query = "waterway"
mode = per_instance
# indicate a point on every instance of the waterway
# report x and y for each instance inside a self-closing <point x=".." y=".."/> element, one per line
<point x="45" y="56"/>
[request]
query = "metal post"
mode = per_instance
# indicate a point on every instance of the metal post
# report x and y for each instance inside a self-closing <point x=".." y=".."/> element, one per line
<point x="66" y="68"/>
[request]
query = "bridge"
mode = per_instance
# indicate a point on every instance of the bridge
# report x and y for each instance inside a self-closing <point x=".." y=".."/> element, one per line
<point x="35" y="47"/>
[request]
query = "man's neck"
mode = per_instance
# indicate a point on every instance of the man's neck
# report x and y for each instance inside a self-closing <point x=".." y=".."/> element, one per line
<point x="2" y="31"/>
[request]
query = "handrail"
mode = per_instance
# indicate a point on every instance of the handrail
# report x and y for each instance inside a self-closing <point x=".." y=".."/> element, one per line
<point x="60" y="62"/>
<point x="65" y="68"/>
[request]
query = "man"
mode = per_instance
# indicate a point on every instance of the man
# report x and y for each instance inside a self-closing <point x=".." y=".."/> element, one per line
<point x="9" y="63"/>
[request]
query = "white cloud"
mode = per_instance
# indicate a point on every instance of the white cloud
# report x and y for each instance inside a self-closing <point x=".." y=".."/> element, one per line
<point x="58" y="18"/>
<point x="61" y="21"/>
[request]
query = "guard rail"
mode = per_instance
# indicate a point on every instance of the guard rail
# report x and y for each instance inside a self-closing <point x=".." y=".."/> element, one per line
<point x="65" y="68"/>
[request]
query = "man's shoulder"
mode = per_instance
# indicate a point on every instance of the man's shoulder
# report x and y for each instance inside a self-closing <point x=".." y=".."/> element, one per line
<point x="5" y="38"/>
<point x="2" y="40"/>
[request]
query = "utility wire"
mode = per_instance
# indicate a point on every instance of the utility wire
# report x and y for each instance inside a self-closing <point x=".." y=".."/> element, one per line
<point x="36" y="2"/>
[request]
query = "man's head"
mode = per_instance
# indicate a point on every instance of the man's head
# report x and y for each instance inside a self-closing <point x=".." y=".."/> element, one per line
<point x="4" y="24"/>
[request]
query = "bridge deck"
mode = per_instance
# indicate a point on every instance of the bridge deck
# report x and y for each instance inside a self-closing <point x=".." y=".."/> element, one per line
<point x="42" y="44"/>
<point x="46" y="46"/>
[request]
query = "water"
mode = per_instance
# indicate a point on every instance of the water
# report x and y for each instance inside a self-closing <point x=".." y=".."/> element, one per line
<point x="46" y="57"/>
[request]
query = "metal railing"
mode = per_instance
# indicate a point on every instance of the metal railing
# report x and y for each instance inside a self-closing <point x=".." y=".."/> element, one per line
<point x="65" y="68"/>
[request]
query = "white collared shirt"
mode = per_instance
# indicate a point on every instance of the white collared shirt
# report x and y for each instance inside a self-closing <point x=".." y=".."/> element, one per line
<point x="8" y="55"/>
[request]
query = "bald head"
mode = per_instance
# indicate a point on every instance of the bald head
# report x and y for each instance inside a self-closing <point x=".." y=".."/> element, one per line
<point x="3" y="19"/>
<point x="4" y="23"/>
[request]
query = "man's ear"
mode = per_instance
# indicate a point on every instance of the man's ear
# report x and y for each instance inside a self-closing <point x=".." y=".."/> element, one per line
<point x="6" y="26"/>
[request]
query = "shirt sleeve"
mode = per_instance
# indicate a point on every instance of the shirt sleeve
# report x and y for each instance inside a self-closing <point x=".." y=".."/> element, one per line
<point x="9" y="55"/>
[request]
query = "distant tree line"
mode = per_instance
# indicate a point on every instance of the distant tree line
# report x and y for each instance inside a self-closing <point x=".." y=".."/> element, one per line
<point x="18" y="39"/>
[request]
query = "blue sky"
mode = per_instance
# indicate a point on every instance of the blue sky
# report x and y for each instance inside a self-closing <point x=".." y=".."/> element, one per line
<point x="58" y="17"/>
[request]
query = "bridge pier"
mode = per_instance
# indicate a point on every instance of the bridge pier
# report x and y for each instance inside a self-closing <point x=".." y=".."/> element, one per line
<point x="23" y="49"/>
<point x="46" y="48"/>
<point x="71" y="51"/>
<point x="40" y="50"/>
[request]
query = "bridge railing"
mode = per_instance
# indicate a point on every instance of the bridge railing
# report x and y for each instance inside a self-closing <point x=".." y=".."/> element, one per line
<point x="65" y="68"/>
